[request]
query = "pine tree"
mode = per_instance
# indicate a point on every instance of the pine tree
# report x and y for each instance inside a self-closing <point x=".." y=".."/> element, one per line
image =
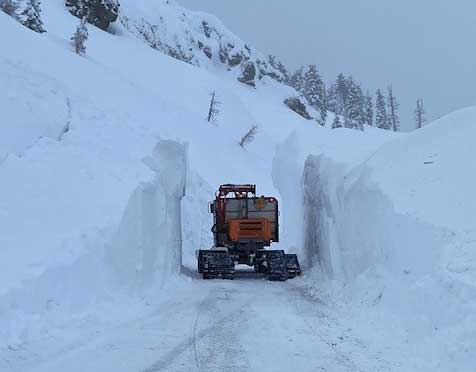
<point x="337" y="95"/>
<point x="420" y="114"/>
<point x="336" y="123"/>
<point x="314" y="91"/>
<point x="31" y="16"/>
<point x="297" y="79"/>
<point x="353" y="105"/>
<point x="78" y="40"/>
<point x="331" y="98"/>
<point x="369" y="110"/>
<point x="342" y="87"/>
<point x="392" y="110"/>
<point x="9" y="7"/>
<point x="273" y="61"/>
<point x="361" y="113"/>
<point x="381" y="120"/>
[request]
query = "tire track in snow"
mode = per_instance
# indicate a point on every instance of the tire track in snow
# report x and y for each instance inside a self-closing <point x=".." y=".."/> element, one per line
<point x="303" y="299"/>
<point x="194" y="334"/>
<point x="216" y="346"/>
<point x="299" y="296"/>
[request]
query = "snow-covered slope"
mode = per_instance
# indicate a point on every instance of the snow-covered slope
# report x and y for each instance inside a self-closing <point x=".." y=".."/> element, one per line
<point x="102" y="155"/>
<point x="76" y="133"/>
<point x="197" y="38"/>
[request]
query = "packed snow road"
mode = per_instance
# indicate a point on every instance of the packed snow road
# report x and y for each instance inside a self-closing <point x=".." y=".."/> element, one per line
<point x="244" y="325"/>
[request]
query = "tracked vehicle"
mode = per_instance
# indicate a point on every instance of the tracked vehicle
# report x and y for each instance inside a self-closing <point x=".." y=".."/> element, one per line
<point x="244" y="226"/>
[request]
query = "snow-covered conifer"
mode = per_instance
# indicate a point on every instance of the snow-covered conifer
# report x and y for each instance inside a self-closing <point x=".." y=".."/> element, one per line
<point x="369" y="110"/>
<point x="297" y="79"/>
<point x="353" y="106"/>
<point x="9" y="7"/>
<point x="381" y="120"/>
<point x="314" y="91"/>
<point x="30" y="16"/>
<point x="80" y="37"/>
<point x="336" y="123"/>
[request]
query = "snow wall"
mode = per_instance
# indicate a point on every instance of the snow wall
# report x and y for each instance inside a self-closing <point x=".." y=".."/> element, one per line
<point x="147" y="247"/>
<point x="380" y="239"/>
<point x="143" y="251"/>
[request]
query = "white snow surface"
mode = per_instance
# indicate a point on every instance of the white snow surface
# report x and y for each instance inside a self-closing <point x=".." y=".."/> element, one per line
<point x="102" y="156"/>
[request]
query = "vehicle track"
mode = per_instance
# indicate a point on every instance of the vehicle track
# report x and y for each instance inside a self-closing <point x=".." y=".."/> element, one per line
<point x="246" y="325"/>
<point x="194" y="334"/>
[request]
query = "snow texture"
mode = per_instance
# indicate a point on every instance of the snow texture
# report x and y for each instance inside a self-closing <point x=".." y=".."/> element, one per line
<point x="107" y="164"/>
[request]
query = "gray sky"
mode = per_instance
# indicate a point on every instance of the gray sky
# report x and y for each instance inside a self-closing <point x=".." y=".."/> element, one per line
<point x="424" y="48"/>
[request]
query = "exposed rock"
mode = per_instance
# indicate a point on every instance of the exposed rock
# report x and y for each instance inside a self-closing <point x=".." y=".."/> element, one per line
<point x="264" y="70"/>
<point x="201" y="40"/>
<point x="223" y="54"/>
<point x="206" y="29"/>
<point x="208" y="52"/>
<point x="235" y="60"/>
<point x="100" y="13"/>
<point x="295" y="104"/>
<point x="248" y="75"/>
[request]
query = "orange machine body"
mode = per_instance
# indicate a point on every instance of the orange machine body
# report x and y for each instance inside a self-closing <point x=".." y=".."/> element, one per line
<point x="250" y="229"/>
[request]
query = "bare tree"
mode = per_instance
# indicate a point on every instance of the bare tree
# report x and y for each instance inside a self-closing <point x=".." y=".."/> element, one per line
<point x="392" y="110"/>
<point x="420" y="113"/>
<point x="214" y="108"/>
<point x="249" y="136"/>
<point x="67" y="126"/>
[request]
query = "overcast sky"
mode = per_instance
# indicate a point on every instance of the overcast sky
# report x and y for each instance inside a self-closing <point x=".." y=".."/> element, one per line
<point x="424" y="48"/>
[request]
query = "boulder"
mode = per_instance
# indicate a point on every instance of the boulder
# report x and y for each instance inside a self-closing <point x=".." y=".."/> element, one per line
<point x="100" y="13"/>
<point x="248" y="75"/>
<point x="295" y="104"/>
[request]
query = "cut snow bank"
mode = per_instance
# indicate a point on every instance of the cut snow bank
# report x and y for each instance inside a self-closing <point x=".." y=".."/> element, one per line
<point x="393" y="242"/>
<point x="346" y="148"/>
<point x="147" y="247"/>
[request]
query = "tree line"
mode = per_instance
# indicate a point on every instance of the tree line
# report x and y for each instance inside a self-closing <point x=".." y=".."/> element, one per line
<point x="346" y="99"/>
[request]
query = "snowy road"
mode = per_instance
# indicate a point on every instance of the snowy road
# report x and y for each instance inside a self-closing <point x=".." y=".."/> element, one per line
<point x="244" y="325"/>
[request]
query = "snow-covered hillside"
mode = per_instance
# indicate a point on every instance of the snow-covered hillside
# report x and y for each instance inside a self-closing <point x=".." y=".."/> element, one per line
<point x="107" y="164"/>
<point x="197" y="38"/>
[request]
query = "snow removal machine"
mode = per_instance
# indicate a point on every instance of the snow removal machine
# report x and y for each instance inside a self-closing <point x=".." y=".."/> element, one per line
<point x="244" y="226"/>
